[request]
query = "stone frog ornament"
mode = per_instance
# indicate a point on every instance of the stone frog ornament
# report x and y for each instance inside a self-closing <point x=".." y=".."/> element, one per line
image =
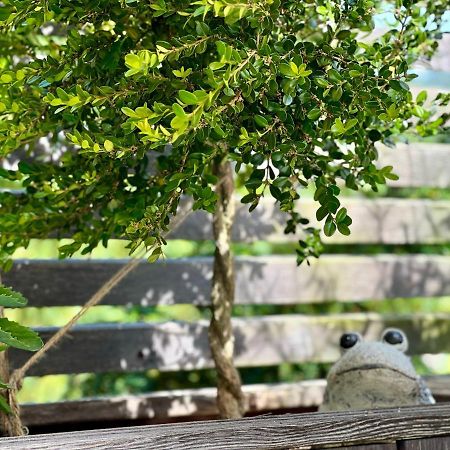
<point x="374" y="375"/>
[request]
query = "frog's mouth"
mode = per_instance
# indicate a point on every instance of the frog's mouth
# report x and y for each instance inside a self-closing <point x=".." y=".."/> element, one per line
<point x="376" y="366"/>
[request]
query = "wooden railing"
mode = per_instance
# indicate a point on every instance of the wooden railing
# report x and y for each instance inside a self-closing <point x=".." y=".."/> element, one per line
<point x="412" y="428"/>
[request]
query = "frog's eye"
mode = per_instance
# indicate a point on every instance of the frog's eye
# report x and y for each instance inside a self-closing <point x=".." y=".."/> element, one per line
<point x="349" y="340"/>
<point x="397" y="338"/>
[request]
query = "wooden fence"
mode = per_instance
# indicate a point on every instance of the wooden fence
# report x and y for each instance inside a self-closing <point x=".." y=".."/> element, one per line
<point x="388" y="429"/>
<point x="274" y="280"/>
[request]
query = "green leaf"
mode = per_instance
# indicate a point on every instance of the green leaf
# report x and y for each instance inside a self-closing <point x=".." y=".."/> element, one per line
<point x="399" y="86"/>
<point x="155" y="255"/>
<point x="338" y="127"/>
<point x="350" y="124"/>
<point x="179" y="123"/>
<point x="143" y="112"/>
<point x="5" y="11"/>
<point x="303" y="72"/>
<point x="343" y="229"/>
<point x="261" y="121"/>
<point x="314" y="114"/>
<point x="109" y="146"/>
<point x="178" y="110"/>
<point x="286" y="70"/>
<point x="133" y="61"/>
<point x="321" y="82"/>
<point x="248" y="198"/>
<point x="343" y="34"/>
<point x="341" y="214"/>
<point x="6" y="78"/>
<point x="336" y="93"/>
<point x="10" y="298"/>
<point x="334" y="75"/>
<point x="4" y="405"/>
<point x="216" y="65"/>
<point x="332" y="204"/>
<point x="187" y="97"/>
<point x="321" y="213"/>
<point x="421" y="97"/>
<point x="18" y="336"/>
<point x="330" y="228"/>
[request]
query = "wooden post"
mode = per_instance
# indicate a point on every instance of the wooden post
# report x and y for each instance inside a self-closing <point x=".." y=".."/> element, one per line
<point x="230" y="399"/>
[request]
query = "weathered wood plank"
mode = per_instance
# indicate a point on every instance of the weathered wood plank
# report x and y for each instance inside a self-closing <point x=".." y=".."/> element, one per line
<point x="430" y="443"/>
<point x="301" y="431"/>
<point x="440" y="60"/>
<point x="391" y="446"/>
<point x="185" y="403"/>
<point x="439" y="385"/>
<point x="259" y="280"/>
<point x="260" y="341"/>
<point x="387" y="220"/>
<point x="418" y="164"/>
<point x="177" y="403"/>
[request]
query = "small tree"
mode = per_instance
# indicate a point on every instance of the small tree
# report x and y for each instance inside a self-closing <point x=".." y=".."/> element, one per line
<point x="284" y="92"/>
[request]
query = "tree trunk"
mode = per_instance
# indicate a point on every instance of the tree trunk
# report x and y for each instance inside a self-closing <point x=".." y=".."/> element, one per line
<point x="230" y="399"/>
<point x="10" y="424"/>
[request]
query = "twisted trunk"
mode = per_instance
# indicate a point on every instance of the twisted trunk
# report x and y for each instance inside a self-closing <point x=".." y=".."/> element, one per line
<point x="230" y="399"/>
<point x="10" y="424"/>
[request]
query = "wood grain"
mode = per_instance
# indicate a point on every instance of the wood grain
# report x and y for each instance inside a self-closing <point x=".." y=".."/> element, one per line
<point x="288" y="431"/>
<point x="418" y="164"/>
<point x="439" y="443"/>
<point x="375" y="221"/>
<point x="176" y="403"/>
<point x="439" y="385"/>
<point x="391" y="446"/>
<point x="260" y="341"/>
<point x="259" y="280"/>
<point x="184" y="403"/>
<point x="385" y="220"/>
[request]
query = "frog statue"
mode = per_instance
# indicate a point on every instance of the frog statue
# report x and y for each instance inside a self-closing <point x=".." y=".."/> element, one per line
<point x="374" y="375"/>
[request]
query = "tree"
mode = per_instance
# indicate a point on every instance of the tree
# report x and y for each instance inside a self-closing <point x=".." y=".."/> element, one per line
<point x="144" y="102"/>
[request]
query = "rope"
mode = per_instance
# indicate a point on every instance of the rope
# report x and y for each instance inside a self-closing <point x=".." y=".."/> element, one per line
<point x="18" y="374"/>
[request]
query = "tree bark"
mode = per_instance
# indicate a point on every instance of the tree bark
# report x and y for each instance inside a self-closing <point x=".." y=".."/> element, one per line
<point x="10" y="424"/>
<point x="230" y="399"/>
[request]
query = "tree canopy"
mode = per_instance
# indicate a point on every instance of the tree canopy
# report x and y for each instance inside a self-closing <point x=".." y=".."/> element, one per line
<point x="138" y="99"/>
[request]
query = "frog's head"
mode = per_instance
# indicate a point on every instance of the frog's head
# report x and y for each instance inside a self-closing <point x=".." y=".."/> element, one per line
<point x="374" y="374"/>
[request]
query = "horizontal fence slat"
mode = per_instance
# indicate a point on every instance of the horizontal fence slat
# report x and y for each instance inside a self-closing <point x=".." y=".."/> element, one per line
<point x="260" y="341"/>
<point x="189" y="403"/>
<point x="177" y="403"/>
<point x="259" y="280"/>
<point x="375" y="221"/>
<point x="418" y="164"/>
<point x="436" y="443"/>
<point x="283" y="431"/>
<point x="380" y="221"/>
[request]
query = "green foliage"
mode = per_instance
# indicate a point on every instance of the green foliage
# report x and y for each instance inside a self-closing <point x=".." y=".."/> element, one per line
<point x="11" y="299"/>
<point x="13" y="334"/>
<point x="18" y="336"/>
<point x="141" y="98"/>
